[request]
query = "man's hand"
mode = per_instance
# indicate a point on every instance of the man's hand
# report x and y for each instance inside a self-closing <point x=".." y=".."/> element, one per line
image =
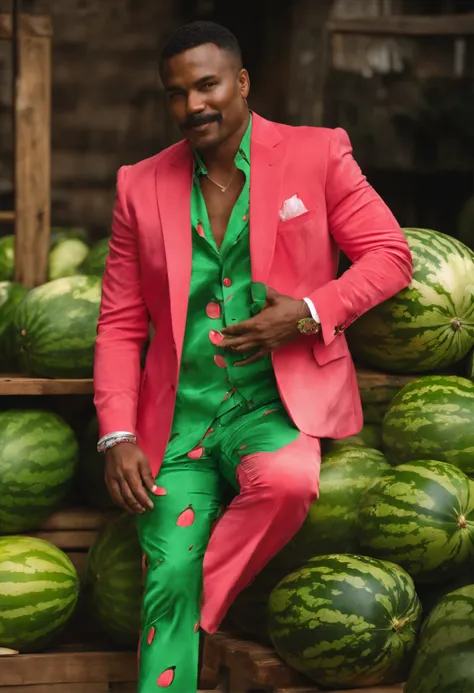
<point x="274" y="326"/>
<point x="128" y="475"/>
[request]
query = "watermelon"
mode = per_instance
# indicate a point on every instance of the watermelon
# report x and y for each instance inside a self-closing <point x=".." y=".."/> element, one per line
<point x="65" y="257"/>
<point x="113" y="580"/>
<point x="91" y="470"/>
<point x="369" y="437"/>
<point x="10" y="296"/>
<point x="444" y="661"/>
<point x="429" y="325"/>
<point x="94" y="263"/>
<point x="432" y="418"/>
<point x="420" y="515"/>
<point x="331" y="523"/>
<point x="7" y="258"/>
<point x="55" y="327"/>
<point x="38" y="457"/>
<point x="38" y="594"/>
<point x="346" y="620"/>
<point x="470" y="365"/>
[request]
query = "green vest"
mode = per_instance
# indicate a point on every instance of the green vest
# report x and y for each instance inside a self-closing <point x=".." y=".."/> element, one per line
<point x="221" y="293"/>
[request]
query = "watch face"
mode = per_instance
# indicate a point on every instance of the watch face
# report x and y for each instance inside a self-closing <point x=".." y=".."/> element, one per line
<point x="308" y="326"/>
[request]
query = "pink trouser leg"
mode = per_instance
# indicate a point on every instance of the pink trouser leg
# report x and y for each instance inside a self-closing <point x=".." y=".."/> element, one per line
<point x="276" y="490"/>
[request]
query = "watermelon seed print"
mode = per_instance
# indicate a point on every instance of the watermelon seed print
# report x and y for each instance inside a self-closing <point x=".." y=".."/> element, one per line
<point x="213" y="310"/>
<point x="166" y="678"/>
<point x="186" y="518"/>
<point x="196" y="453"/>
<point x="220" y="361"/>
<point x="196" y="626"/>
<point x="200" y="229"/>
<point x="191" y="547"/>
<point x="151" y="635"/>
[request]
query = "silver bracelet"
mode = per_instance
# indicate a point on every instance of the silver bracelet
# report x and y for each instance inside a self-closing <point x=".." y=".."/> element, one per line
<point x="112" y="442"/>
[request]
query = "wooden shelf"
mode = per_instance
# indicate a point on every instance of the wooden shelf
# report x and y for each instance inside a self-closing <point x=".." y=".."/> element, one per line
<point x="406" y="25"/>
<point x="21" y="385"/>
<point x="7" y="217"/>
<point x="30" y="25"/>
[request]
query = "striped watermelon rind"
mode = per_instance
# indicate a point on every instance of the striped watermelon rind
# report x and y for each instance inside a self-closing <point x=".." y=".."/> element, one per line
<point x="421" y="516"/>
<point x="38" y="594"/>
<point x="346" y="621"/>
<point x="113" y="580"/>
<point x="7" y="258"/>
<point x="432" y="418"/>
<point x="430" y="324"/>
<point x="444" y="661"/>
<point x="369" y="437"/>
<point x="38" y="460"/>
<point x="331" y="523"/>
<point x="66" y="257"/>
<point x="11" y="294"/>
<point x="95" y="260"/>
<point x="55" y="327"/>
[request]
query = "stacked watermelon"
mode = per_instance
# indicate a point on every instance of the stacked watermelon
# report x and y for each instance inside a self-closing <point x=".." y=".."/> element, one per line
<point x="38" y="594"/>
<point x="430" y="325"/>
<point x="38" y="458"/>
<point x="94" y="262"/>
<point x="55" y="327"/>
<point x="113" y="580"/>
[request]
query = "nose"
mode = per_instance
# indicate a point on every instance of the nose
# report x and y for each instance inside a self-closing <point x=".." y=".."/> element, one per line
<point x="195" y="102"/>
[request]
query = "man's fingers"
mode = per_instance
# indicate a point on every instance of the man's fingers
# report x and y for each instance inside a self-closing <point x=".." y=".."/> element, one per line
<point x="116" y="495"/>
<point x="135" y="484"/>
<point x="256" y="357"/>
<point x="241" y="327"/>
<point x="133" y="506"/>
<point x="147" y="476"/>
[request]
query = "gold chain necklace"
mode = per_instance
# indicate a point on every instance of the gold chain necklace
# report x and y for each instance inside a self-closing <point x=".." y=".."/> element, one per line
<point x="223" y="188"/>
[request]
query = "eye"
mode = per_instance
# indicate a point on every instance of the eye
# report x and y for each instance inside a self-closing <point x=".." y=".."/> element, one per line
<point x="209" y="85"/>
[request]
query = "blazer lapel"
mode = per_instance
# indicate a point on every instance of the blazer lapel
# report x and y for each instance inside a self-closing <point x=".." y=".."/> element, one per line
<point x="267" y="149"/>
<point x="173" y="187"/>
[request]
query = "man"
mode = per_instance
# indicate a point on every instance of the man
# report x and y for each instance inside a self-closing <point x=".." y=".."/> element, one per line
<point x="228" y="243"/>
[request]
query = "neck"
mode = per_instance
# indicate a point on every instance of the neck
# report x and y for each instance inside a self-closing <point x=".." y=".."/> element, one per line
<point x="222" y="156"/>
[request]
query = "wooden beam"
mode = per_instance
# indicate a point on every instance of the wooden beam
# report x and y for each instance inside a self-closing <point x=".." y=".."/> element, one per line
<point x="32" y="160"/>
<point x="20" y="385"/>
<point x="7" y="217"/>
<point x="33" y="25"/>
<point x="406" y="25"/>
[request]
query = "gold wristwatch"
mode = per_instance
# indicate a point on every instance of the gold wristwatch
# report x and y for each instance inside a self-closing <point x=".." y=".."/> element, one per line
<point x="308" y="326"/>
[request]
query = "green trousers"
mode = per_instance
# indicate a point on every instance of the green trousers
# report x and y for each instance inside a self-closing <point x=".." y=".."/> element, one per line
<point x="197" y="556"/>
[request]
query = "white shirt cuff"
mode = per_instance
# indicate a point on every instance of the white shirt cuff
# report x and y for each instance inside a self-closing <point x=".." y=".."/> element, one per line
<point x="312" y="309"/>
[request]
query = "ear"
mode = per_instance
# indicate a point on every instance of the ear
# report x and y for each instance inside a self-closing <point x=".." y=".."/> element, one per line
<point x="244" y="83"/>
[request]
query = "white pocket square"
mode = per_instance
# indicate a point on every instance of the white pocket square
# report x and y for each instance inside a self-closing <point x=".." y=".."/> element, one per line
<point x="291" y="208"/>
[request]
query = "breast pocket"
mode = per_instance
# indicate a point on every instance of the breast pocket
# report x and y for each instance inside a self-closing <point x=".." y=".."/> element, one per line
<point x="290" y="262"/>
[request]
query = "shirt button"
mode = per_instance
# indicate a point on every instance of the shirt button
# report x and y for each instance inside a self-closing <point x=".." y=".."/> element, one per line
<point x="227" y="282"/>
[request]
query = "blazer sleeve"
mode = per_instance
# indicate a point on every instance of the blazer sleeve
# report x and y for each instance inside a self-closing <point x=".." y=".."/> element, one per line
<point x="364" y="228"/>
<point x="123" y="324"/>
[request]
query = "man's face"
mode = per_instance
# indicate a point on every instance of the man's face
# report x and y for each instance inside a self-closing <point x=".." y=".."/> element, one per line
<point x="206" y="93"/>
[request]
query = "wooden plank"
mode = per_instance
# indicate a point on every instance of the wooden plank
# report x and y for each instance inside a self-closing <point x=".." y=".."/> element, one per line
<point x="68" y="539"/>
<point x="103" y="687"/>
<point x="71" y="667"/>
<point x="77" y="518"/>
<point x="372" y="380"/>
<point x="20" y="385"/>
<point x="32" y="160"/>
<point x="7" y="217"/>
<point x="406" y="25"/>
<point x="29" y="25"/>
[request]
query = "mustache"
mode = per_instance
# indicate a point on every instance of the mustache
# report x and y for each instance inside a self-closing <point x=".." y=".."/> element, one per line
<point x="193" y="121"/>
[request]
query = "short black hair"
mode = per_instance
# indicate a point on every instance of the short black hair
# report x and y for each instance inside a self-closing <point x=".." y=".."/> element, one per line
<point x="196" y="34"/>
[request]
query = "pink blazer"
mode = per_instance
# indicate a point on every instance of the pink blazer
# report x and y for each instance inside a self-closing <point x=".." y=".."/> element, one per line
<point x="149" y="268"/>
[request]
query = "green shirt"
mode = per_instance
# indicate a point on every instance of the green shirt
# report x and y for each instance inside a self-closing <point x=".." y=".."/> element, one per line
<point x="221" y="293"/>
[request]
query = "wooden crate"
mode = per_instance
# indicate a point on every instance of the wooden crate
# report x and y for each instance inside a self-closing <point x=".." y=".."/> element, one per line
<point x="247" y="667"/>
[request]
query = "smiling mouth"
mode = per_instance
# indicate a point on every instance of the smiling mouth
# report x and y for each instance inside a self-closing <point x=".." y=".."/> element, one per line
<point x="202" y="127"/>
